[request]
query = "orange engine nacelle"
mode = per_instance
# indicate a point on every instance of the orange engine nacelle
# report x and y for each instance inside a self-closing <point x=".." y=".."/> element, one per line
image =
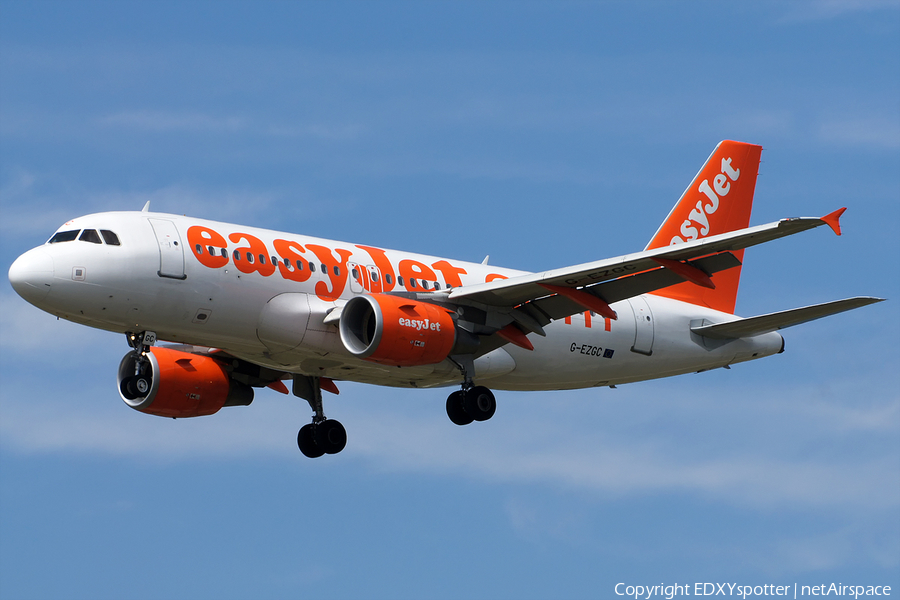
<point x="176" y="384"/>
<point x="396" y="331"/>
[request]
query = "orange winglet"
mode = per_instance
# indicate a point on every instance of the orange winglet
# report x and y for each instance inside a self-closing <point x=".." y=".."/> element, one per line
<point x="278" y="386"/>
<point x="689" y="272"/>
<point x="833" y="220"/>
<point x="514" y="335"/>
<point x="589" y="301"/>
<point x="328" y="385"/>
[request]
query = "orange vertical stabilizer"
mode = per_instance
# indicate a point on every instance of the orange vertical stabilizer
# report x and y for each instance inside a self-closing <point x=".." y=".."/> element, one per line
<point x="718" y="200"/>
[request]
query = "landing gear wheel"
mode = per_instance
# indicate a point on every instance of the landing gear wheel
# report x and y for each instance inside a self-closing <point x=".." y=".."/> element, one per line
<point x="142" y="385"/>
<point x="456" y="409"/>
<point x="331" y="436"/>
<point x="306" y="441"/>
<point x="135" y="387"/>
<point x="480" y="403"/>
<point x="128" y="388"/>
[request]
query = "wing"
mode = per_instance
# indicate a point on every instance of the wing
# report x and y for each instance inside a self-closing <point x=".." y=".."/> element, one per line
<point x="534" y="300"/>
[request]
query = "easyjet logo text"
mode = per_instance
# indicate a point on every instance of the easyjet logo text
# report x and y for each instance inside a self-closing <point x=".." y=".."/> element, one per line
<point x="333" y="268"/>
<point x="420" y="325"/>
<point x="697" y="224"/>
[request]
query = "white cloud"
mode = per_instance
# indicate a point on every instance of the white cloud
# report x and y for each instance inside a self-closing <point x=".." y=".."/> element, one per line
<point x="882" y="133"/>
<point x="227" y="203"/>
<point x="323" y="131"/>
<point x="591" y="461"/>
<point x="814" y="10"/>
<point x="38" y="208"/>
<point x="150" y="120"/>
<point x="194" y="122"/>
<point x="27" y="330"/>
<point x="756" y="124"/>
<point x="26" y="211"/>
<point x="744" y="452"/>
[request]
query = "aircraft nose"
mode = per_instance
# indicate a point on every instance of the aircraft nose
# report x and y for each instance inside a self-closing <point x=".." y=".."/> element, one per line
<point x="31" y="275"/>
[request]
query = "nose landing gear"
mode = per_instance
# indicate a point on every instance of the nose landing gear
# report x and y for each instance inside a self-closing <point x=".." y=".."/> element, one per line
<point x="138" y="385"/>
<point x="322" y="436"/>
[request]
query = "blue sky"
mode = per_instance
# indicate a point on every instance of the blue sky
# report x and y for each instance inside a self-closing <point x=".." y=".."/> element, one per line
<point x="543" y="134"/>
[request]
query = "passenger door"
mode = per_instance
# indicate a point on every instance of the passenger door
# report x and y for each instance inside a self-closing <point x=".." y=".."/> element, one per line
<point x="171" y="251"/>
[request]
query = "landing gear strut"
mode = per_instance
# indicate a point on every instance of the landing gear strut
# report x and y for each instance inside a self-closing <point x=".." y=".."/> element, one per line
<point x="472" y="402"/>
<point x="322" y="436"/>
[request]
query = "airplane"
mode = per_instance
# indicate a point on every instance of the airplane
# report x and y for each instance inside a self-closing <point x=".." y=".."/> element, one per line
<point x="244" y="308"/>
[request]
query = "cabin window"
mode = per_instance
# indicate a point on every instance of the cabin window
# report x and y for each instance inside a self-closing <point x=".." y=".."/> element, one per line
<point x="299" y="265"/>
<point x="64" y="236"/>
<point x="110" y="238"/>
<point x="225" y="252"/>
<point x="437" y="285"/>
<point x="199" y="249"/>
<point x="249" y="258"/>
<point x="425" y="284"/>
<point x="90" y="235"/>
<point x="400" y="280"/>
<point x="262" y="259"/>
<point x="312" y="267"/>
<point x="237" y="255"/>
<point x="388" y="279"/>
<point x="337" y="270"/>
<point x="374" y="276"/>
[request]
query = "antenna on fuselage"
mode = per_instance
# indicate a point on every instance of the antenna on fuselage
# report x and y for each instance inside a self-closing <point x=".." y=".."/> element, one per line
<point x="486" y="258"/>
<point x="146" y="207"/>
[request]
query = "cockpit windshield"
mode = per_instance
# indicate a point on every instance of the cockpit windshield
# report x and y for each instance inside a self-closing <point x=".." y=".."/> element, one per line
<point x="64" y="236"/>
<point x="87" y="235"/>
<point x="109" y="237"/>
<point x="90" y="235"/>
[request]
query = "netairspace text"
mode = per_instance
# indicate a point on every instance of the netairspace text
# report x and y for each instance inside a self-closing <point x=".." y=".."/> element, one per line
<point x="669" y="591"/>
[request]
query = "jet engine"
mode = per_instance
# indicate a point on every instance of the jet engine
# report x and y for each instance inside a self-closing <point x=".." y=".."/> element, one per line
<point x="171" y="383"/>
<point x="397" y="331"/>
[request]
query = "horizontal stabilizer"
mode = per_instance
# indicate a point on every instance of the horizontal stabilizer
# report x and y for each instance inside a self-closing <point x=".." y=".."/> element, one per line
<point x="775" y="321"/>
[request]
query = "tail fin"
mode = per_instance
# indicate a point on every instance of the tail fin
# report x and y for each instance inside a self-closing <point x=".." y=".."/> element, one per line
<point x="718" y="200"/>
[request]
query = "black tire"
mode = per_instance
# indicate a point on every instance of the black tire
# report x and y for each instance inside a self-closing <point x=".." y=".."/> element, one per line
<point x="480" y="403"/>
<point x="331" y="436"/>
<point x="127" y="387"/>
<point x="306" y="441"/>
<point x="456" y="409"/>
<point x="136" y="387"/>
<point x="142" y="385"/>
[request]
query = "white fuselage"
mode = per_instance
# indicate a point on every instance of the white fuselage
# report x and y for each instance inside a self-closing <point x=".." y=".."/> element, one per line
<point x="192" y="281"/>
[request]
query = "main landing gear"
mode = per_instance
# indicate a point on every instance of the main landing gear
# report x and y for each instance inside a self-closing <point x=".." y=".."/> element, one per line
<point x="476" y="403"/>
<point x="472" y="402"/>
<point x="322" y="436"/>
